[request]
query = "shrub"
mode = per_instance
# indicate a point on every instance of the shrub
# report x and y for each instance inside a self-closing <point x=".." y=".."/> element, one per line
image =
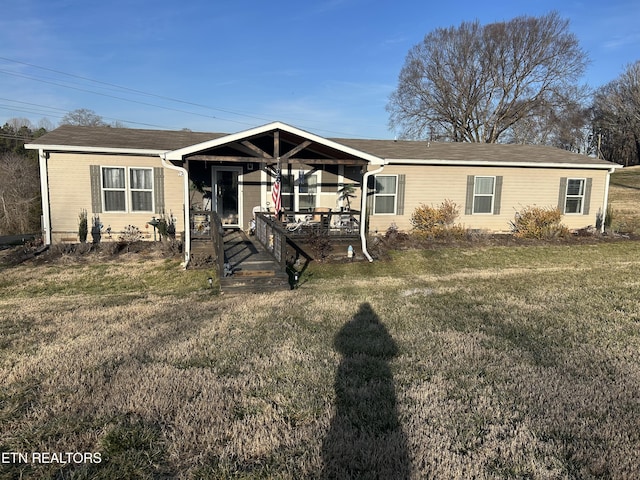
<point x="428" y="218"/>
<point x="430" y="221"/>
<point x="320" y="246"/>
<point x="83" y="227"/>
<point x="167" y="228"/>
<point x="130" y="234"/>
<point x="539" y="223"/>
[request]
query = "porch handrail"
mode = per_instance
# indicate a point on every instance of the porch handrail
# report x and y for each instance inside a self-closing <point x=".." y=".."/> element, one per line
<point x="206" y="225"/>
<point x="324" y="221"/>
<point x="272" y="237"/>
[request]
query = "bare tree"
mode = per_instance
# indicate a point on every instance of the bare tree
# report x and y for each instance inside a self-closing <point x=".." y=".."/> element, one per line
<point x="616" y="117"/>
<point x="45" y="124"/>
<point x="83" y="117"/>
<point x="19" y="194"/>
<point x="479" y="83"/>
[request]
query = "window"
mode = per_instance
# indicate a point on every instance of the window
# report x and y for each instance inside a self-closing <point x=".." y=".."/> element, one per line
<point x="483" y="194"/>
<point x="141" y="185"/>
<point x="138" y="194"/>
<point x="299" y="191"/>
<point x="386" y="189"/>
<point x="307" y="192"/>
<point x="574" y="200"/>
<point x="113" y="186"/>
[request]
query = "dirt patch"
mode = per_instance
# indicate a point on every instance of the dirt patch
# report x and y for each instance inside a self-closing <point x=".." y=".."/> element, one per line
<point x="38" y="254"/>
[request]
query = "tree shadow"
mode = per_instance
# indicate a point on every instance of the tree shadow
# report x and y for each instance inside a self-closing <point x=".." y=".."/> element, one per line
<point x="365" y="439"/>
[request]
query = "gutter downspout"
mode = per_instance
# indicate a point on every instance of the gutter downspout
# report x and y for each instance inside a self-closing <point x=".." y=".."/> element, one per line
<point x="606" y="198"/>
<point x="187" y="231"/>
<point x="44" y="194"/>
<point x="363" y="210"/>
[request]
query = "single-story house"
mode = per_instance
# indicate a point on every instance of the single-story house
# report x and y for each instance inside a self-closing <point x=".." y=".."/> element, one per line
<point x="128" y="176"/>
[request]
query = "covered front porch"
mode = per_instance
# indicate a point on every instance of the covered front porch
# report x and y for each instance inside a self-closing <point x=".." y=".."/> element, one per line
<point x="233" y="177"/>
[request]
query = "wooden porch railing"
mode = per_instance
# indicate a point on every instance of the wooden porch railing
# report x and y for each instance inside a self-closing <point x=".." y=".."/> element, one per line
<point x="273" y="237"/>
<point x="207" y="226"/>
<point x="333" y="224"/>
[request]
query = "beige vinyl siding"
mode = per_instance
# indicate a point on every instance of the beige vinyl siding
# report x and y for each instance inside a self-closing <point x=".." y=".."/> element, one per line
<point x="70" y="192"/>
<point x="521" y="187"/>
<point x="251" y="185"/>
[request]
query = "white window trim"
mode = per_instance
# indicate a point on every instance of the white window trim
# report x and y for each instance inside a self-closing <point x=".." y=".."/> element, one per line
<point x="103" y="189"/>
<point x="492" y="195"/>
<point x="394" y="195"/>
<point x="128" y="202"/>
<point x="131" y="190"/>
<point x="567" y="196"/>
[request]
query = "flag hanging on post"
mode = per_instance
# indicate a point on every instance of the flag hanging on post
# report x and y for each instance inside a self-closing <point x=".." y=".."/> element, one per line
<point x="276" y="195"/>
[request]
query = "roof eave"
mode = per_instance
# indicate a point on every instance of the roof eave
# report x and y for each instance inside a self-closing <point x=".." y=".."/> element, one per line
<point x="85" y="149"/>
<point x="488" y="163"/>
<point x="181" y="152"/>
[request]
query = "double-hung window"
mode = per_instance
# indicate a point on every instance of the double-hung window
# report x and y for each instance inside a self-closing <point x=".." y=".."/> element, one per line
<point x="127" y="189"/>
<point x="141" y="186"/>
<point x="483" y="194"/>
<point x="114" y="189"/>
<point x="384" y="197"/>
<point x="574" y="200"/>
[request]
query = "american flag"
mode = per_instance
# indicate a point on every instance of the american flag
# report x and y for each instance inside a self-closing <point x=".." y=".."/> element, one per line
<point x="275" y="194"/>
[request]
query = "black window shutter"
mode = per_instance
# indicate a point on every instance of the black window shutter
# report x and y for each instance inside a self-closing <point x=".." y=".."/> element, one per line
<point x="96" y="189"/>
<point x="402" y="181"/>
<point x="468" y="207"/>
<point x="562" y="195"/>
<point x="587" y="196"/>
<point x="158" y="189"/>
<point x="497" y="196"/>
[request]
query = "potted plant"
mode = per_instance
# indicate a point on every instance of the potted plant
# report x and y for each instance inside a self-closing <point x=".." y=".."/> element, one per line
<point x="346" y="193"/>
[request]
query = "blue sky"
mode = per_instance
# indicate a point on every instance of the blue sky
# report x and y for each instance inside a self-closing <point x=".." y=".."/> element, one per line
<point x="327" y="66"/>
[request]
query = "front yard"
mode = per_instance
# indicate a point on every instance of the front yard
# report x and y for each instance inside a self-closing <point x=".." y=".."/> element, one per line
<point x="484" y="362"/>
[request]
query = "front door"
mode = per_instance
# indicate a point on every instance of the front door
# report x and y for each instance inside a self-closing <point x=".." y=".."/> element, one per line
<point x="227" y="195"/>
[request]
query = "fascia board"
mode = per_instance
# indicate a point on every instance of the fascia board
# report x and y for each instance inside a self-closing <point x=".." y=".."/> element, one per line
<point x="480" y="163"/>
<point x="84" y="149"/>
<point x="180" y="153"/>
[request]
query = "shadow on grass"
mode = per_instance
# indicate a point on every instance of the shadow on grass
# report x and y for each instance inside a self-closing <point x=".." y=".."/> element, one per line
<point x="366" y="438"/>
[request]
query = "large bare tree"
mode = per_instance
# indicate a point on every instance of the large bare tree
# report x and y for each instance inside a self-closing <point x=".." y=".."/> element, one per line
<point x="83" y="117"/>
<point x="476" y="83"/>
<point x="616" y="117"/>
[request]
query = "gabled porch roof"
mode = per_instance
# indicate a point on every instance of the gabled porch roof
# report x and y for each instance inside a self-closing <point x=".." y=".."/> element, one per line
<point x="274" y="143"/>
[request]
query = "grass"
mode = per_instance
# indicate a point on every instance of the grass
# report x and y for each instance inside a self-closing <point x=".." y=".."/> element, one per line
<point x="492" y="362"/>
<point x="624" y="194"/>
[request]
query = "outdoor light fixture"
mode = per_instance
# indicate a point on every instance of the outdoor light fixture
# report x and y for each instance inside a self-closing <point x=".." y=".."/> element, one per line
<point x="210" y="280"/>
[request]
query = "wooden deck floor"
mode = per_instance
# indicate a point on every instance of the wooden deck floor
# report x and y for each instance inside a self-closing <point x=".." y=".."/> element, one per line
<point x="253" y="269"/>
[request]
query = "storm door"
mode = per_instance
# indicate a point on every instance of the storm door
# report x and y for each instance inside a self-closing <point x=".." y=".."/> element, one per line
<point x="227" y="201"/>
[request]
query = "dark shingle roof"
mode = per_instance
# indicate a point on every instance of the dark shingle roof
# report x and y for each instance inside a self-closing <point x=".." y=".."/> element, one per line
<point x="166" y="140"/>
<point x="125" y="138"/>
<point x="480" y="152"/>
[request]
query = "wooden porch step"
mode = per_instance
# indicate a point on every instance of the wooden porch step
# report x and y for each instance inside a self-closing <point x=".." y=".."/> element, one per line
<point x="254" y="273"/>
<point x="255" y="284"/>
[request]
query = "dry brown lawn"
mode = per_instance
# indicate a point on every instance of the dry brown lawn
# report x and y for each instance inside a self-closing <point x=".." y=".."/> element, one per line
<point x="625" y="200"/>
<point x="491" y="362"/>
